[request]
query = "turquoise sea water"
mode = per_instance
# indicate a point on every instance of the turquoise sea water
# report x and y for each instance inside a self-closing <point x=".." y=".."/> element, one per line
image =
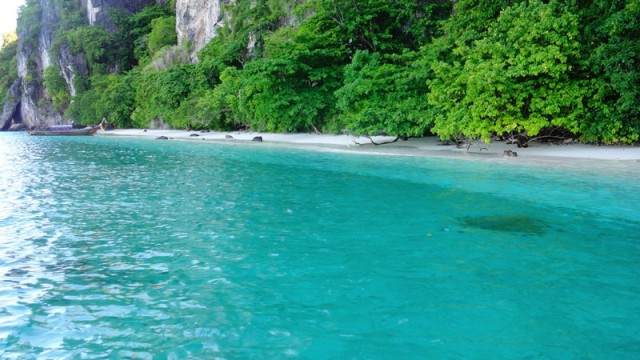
<point x="142" y="249"/>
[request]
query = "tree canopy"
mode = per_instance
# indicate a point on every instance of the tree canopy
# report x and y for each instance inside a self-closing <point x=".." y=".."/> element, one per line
<point x="470" y="69"/>
<point x="8" y="63"/>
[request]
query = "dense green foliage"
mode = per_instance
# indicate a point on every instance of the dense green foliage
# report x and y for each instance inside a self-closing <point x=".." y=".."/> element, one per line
<point x="57" y="88"/>
<point x="616" y="88"/>
<point x="160" y="93"/>
<point x="28" y="30"/>
<point x="518" y="77"/>
<point x="94" y="43"/>
<point x="163" y="33"/>
<point x="8" y="63"/>
<point x="466" y="68"/>
<point x="109" y="96"/>
<point x="385" y="97"/>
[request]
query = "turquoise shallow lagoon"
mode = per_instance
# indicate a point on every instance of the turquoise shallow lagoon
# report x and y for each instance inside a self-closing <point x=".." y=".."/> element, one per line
<point x="143" y="249"/>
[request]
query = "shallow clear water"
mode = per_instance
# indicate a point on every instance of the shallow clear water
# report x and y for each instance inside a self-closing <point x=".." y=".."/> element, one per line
<point x="142" y="249"/>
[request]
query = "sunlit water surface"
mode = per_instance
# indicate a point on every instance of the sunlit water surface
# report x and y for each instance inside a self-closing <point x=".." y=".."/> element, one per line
<point x="143" y="249"/>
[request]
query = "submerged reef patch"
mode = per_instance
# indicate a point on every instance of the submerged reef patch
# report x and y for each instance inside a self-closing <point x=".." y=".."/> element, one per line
<point x="507" y="223"/>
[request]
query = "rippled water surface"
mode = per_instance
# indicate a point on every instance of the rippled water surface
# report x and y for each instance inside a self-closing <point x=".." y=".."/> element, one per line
<point x="143" y="249"/>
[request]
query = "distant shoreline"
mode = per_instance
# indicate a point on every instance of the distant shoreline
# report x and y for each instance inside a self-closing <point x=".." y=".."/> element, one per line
<point x="424" y="147"/>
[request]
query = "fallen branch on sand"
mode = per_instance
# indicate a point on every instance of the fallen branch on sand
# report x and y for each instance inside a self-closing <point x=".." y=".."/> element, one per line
<point x="380" y="143"/>
<point x="375" y="143"/>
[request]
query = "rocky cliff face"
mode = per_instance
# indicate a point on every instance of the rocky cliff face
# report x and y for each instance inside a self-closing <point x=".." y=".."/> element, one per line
<point x="197" y="22"/>
<point x="10" y="113"/>
<point x="97" y="14"/>
<point x="34" y="107"/>
<point x="71" y="66"/>
<point x="33" y="58"/>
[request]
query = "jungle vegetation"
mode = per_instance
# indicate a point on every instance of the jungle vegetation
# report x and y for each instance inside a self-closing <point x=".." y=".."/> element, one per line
<point x="472" y="69"/>
<point x="8" y="64"/>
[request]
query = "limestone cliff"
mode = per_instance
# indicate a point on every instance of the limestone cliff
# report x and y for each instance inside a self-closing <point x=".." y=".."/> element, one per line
<point x="10" y="112"/>
<point x="35" y="40"/>
<point x="197" y="22"/>
<point x="33" y="58"/>
<point x="97" y="10"/>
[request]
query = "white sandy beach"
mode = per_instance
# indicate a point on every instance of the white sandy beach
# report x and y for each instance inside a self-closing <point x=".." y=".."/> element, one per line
<point x="427" y="147"/>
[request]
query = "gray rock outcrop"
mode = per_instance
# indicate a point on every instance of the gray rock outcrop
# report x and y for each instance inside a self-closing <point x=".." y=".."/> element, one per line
<point x="11" y="108"/>
<point x="35" y="107"/>
<point x="197" y="22"/>
<point x="97" y="10"/>
<point x="35" y="110"/>
<point x="71" y="66"/>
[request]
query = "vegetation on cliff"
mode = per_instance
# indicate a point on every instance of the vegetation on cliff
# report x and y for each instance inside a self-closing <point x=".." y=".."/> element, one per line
<point x="8" y="64"/>
<point x="466" y="68"/>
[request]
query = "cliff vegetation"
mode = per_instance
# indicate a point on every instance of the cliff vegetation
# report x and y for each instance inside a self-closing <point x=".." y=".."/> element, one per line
<point x="475" y="69"/>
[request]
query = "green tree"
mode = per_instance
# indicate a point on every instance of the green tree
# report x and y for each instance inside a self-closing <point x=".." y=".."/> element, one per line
<point x="28" y="30"/>
<point x="518" y="78"/>
<point x="222" y="104"/>
<point x="110" y="96"/>
<point x="82" y="109"/>
<point x="384" y="95"/>
<point x="130" y="40"/>
<point x="250" y="22"/>
<point x="28" y="24"/>
<point x="57" y="88"/>
<point x="615" y="75"/>
<point x="8" y="63"/>
<point x="95" y="43"/>
<point x="163" y="33"/>
<point x="291" y="88"/>
<point x="159" y="94"/>
<point x="381" y="25"/>
<point x="116" y="102"/>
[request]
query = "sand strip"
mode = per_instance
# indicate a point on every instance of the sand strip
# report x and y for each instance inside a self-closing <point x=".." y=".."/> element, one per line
<point x="427" y="146"/>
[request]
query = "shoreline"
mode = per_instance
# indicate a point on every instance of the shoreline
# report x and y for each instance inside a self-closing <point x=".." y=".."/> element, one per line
<point x="422" y="147"/>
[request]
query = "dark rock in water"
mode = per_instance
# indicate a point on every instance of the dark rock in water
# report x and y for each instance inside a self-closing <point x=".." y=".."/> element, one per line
<point x="510" y="153"/>
<point x="194" y="135"/>
<point x="162" y="138"/>
<point x="257" y="138"/>
<point x="507" y="223"/>
<point x="18" y="127"/>
<point x="228" y="137"/>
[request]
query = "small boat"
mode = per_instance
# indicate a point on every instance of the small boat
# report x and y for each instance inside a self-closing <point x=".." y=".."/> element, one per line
<point x="64" y="130"/>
